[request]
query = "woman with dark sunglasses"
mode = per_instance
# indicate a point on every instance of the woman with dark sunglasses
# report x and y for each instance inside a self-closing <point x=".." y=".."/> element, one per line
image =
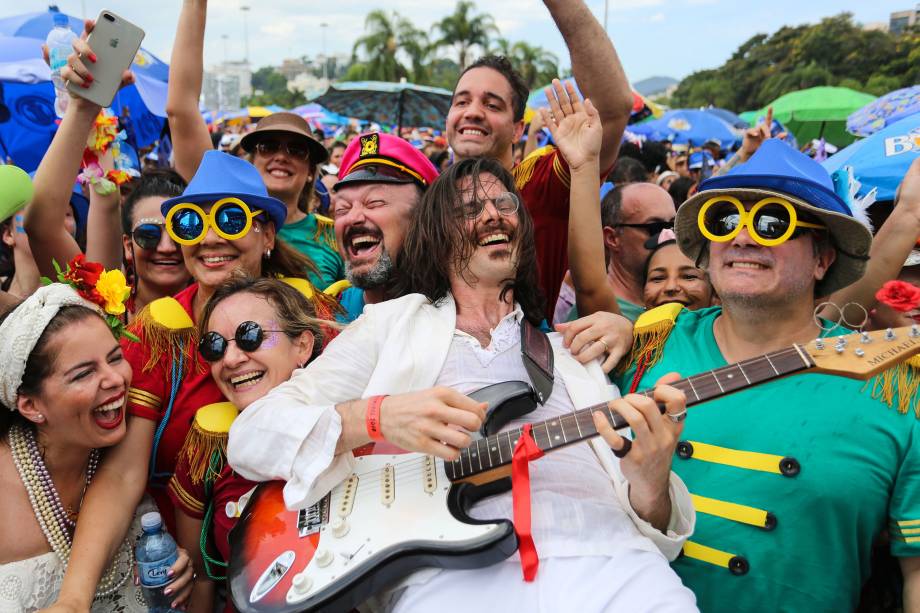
<point x="153" y="261"/>
<point x="254" y="333"/>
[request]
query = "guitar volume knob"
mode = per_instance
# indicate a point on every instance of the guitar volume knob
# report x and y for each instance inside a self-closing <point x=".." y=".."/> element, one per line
<point x="302" y="583"/>
<point x="324" y="558"/>
<point x="339" y="527"/>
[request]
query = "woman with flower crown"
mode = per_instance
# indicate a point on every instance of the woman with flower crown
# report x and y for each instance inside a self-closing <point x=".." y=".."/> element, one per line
<point x="63" y="390"/>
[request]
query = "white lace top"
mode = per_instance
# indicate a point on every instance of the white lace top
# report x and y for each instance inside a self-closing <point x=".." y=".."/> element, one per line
<point x="34" y="583"/>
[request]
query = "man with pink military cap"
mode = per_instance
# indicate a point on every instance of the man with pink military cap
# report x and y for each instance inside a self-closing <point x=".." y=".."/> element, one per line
<point x="382" y="179"/>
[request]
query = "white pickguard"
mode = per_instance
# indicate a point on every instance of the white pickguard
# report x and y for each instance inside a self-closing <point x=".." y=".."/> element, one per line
<point x="372" y="527"/>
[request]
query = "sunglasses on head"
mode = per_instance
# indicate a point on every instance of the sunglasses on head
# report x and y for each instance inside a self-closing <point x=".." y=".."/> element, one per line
<point x="248" y="337"/>
<point x="147" y="233"/>
<point x="770" y="222"/>
<point x="651" y="228"/>
<point x="294" y="149"/>
<point x="231" y="218"/>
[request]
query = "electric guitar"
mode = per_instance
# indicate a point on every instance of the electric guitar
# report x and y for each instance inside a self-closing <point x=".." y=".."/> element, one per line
<point x="398" y="513"/>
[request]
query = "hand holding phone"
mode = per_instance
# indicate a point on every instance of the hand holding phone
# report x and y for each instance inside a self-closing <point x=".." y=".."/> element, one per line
<point x="101" y="59"/>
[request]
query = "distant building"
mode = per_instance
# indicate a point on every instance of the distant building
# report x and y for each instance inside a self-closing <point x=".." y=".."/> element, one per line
<point x="226" y="84"/>
<point x="291" y="68"/>
<point x="308" y="84"/>
<point x="654" y="87"/>
<point x="900" y="21"/>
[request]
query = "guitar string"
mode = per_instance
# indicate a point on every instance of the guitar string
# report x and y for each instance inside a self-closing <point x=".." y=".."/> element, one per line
<point x="705" y="382"/>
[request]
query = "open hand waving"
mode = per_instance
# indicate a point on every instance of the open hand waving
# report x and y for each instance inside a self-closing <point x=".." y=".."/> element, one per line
<point x="574" y="125"/>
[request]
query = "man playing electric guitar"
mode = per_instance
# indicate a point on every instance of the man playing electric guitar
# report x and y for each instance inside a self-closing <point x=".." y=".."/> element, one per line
<point x="603" y="527"/>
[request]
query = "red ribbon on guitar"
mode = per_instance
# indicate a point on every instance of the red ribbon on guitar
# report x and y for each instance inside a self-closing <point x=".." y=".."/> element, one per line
<point x="525" y="451"/>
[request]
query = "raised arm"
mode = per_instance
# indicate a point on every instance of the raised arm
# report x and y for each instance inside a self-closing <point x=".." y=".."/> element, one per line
<point x="891" y="245"/>
<point x="190" y="136"/>
<point x="103" y="224"/>
<point x="44" y="219"/>
<point x="597" y="71"/>
<point x="576" y="130"/>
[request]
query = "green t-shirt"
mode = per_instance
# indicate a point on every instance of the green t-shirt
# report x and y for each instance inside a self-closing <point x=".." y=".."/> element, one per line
<point x="859" y="474"/>
<point x="627" y="309"/>
<point x="318" y="245"/>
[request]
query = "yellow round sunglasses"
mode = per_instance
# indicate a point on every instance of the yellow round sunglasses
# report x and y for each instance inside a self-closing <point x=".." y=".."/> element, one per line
<point x="767" y="226"/>
<point x="231" y="218"/>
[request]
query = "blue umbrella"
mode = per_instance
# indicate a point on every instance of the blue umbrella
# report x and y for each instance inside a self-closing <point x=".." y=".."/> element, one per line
<point x="27" y="120"/>
<point x="688" y="127"/>
<point x="882" y="159"/>
<point x="728" y="117"/>
<point x="885" y="111"/>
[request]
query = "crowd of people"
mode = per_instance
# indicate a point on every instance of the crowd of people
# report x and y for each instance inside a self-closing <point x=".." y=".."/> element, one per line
<point x="273" y="306"/>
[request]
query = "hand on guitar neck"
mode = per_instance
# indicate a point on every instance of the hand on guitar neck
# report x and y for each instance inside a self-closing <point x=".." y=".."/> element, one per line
<point x="647" y="465"/>
<point x="433" y="421"/>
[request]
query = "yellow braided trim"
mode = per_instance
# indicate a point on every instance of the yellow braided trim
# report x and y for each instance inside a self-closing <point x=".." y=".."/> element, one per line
<point x="562" y="172"/>
<point x="190" y="501"/>
<point x="650" y="333"/>
<point x="707" y="554"/>
<point x="144" y="398"/>
<point x="748" y="460"/>
<point x="908" y="522"/>
<point x="729" y="510"/>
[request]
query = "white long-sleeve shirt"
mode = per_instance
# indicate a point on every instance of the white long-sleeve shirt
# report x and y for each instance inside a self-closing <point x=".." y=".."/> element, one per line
<point x="580" y="498"/>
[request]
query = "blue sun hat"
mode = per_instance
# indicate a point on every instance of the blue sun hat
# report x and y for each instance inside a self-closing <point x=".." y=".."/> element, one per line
<point x="221" y="175"/>
<point x="778" y="170"/>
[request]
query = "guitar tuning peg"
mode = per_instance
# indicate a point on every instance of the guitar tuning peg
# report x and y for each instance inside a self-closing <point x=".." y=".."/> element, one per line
<point x="841" y="342"/>
<point x="914" y="331"/>
<point x="864" y="337"/>
<point x="819" y="343"/>
<point x="889" y="335"/>
<point x="859" y="352"/>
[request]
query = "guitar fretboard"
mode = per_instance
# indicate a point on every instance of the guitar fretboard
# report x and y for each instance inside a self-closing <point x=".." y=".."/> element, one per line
<point x="496" y="450"/>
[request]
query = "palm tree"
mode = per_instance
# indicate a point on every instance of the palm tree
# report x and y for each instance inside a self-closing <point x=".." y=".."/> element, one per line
<point x="536" y="65"/>
<point x="464" y="30"/>
<point x="501" y="46"/>
<point x="380" y="46"/>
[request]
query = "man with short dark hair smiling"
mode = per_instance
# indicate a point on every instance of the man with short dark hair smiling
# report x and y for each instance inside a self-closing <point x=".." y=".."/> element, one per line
<point x="486" y="118"/>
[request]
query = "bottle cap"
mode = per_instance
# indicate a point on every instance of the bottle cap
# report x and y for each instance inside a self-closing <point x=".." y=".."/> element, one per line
<point x="61" y="20"/>
<point x="151" y="521"/>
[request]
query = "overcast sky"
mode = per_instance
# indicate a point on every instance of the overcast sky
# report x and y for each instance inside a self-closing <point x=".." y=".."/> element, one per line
<point x="653" y="37"/>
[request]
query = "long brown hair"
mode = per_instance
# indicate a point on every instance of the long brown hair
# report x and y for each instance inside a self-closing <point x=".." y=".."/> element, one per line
<point x="437" y="243"/>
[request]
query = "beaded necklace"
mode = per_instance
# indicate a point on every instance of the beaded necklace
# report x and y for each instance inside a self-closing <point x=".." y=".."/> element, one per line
<point x="54" y="521"/>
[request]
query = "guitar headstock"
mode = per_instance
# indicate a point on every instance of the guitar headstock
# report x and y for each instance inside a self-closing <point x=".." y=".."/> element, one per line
<point x="861" y="355"/>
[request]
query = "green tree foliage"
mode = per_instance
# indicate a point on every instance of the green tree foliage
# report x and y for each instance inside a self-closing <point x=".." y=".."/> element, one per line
<point x="270" y="87"/>
<point x="390" y="42"/>
<point x="835" y="51"/>
<point x="464" y="30"/>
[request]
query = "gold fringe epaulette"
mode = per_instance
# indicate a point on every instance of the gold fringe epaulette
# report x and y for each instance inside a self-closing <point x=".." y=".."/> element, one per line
<point x="325" y="231"/>
<point x="898" y="386"/>
<point x="208" y="434"/>
<point x="164" y="326"/>
<point x="650" y="333"/>
<point x="524" y="171"/>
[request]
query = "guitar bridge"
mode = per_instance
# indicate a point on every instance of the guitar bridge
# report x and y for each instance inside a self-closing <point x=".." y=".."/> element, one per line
<point x="311" y="519"/>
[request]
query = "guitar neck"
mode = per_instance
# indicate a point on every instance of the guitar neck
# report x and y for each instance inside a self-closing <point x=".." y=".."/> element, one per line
<point x="495" y="451"/>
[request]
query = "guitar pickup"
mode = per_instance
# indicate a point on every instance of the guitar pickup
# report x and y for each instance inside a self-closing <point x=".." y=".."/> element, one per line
<point x="388" y="485"/>
<point x="430" y="475"/>
<point x="349" y="489"/>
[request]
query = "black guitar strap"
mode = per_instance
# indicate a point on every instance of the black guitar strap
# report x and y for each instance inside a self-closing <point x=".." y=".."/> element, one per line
<point x="537" y="353"/>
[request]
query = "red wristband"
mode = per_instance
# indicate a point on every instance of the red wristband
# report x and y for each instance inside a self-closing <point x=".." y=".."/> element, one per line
<point x="372" y="418"/>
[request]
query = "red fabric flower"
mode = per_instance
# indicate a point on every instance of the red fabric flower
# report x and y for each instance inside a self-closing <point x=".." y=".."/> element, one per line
<point x="899" y="295"/>
<point x="84" y="276"/>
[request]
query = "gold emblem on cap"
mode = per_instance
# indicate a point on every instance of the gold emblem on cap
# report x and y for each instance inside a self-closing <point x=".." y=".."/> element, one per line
<point x="370" y="144"/>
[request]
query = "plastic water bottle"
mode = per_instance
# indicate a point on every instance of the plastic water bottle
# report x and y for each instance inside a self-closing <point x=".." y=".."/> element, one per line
<point x="59" y="42"/>
<point x="155" y="553"/>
